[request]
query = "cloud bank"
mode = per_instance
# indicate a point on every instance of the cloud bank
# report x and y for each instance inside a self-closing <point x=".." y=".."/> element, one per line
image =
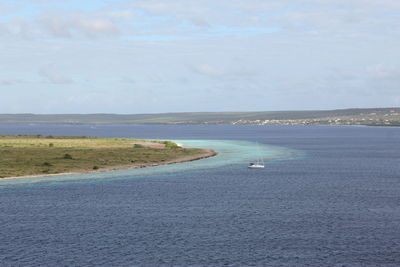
<point x="199" y="55"/>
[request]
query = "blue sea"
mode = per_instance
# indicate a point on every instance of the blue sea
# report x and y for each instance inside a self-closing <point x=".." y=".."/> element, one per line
<point x="329" y="196"/>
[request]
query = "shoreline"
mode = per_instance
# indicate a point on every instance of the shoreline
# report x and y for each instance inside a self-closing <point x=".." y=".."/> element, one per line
<point x="207" y="153"/>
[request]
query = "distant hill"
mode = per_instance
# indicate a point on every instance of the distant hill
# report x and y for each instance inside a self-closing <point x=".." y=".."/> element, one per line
<point x="370" y="116"/>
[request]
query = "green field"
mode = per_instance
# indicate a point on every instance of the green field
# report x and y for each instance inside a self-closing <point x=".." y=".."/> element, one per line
<point x="32" y="155"/>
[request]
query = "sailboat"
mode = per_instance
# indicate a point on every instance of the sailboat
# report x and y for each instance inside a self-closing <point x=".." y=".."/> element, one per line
<point x="259" y="164"/>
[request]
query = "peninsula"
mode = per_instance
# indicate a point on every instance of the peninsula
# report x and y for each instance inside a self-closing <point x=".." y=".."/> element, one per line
<point x="37" y="155"/>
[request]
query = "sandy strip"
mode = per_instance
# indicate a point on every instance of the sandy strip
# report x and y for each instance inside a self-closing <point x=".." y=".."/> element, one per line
<point x="207" y="153"/>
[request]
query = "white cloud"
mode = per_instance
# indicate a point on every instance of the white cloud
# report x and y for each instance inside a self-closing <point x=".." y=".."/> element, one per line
<point x="55" y="77"/>
<point x="208" y="70"/>
<point x="6" y="82"/>
<point x="68" y="27"/>
<point x="96" y="26"/>
<point x="381" y="71"/>
<point x="200" y="22"/>
<point x="384" y="79"/>
<point x="12" y="81"/>
<point x="18" y="27"/>
<point x="316" y="57"/>
<point x="7" y="10"/>
<point x="121" y="14"/>
<point x="154" y="18"/>
<point x="126" y="79"/>
<point x="333" y="16"/>
<point x="226" y="73"/>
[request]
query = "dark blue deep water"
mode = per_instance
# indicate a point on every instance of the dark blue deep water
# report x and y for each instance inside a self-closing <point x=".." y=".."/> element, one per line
<point x="339" y="205"/>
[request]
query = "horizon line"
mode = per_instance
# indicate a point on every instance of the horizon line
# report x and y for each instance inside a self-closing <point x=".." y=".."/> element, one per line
<point x="186" y="112"/>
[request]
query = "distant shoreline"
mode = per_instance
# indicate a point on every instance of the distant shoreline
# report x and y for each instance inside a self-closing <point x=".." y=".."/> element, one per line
<point x="207" y="153"/>
<point x="389" y="116"/>
<point x="188" y="124"/>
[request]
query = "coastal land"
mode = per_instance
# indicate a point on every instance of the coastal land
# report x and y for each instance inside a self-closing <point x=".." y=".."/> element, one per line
<point x="355" y="116"/>
<point x="24" y="156"/>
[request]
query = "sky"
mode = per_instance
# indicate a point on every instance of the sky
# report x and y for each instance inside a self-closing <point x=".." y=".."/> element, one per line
<point x="156" y="56"/>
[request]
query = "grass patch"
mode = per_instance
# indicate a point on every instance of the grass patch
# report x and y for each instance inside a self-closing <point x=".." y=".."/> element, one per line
<point x="29" y="155"/>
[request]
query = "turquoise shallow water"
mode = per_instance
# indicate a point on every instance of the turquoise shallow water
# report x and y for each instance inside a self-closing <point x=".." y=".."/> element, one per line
<point x="229" y="153"/>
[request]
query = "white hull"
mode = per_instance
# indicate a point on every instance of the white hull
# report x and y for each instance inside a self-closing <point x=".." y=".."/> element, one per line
<point x="256" y="166"/>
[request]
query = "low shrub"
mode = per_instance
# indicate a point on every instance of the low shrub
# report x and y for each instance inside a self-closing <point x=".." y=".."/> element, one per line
<point x="67" y="156"/>
<point x="170" y="144"/>
<point x="138" y="146"/>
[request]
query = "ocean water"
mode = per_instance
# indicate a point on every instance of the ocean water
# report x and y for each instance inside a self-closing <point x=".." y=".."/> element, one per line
<point x="330" y="196"/>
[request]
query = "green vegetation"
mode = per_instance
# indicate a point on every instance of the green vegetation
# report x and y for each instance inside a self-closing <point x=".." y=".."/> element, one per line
<point x="67" y="156"/>
<point x="30" y="155"/>
<point x="138" y="146"/>
<point x="170" y="144"/>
